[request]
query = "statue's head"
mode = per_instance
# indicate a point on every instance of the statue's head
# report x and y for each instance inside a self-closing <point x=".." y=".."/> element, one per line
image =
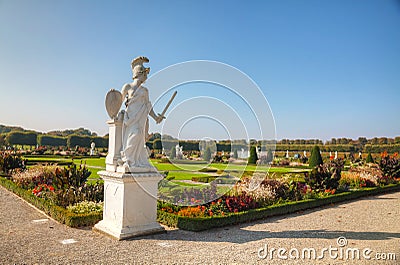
<point x="138" y="70"/>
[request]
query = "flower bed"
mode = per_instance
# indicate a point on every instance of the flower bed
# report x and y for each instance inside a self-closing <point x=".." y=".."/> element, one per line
<point x="58" y="213"/>
<point x="204" y="223"/>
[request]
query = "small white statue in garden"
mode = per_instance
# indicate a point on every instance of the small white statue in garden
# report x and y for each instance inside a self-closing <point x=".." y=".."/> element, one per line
<point x="287" y="153"/>
<point x="92" y="148"/>
<point x="336" y="155"/>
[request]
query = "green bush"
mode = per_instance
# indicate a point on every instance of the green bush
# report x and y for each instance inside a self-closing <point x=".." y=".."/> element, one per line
<point x="172" y="153"/>
<point x="315" y="158"/>
<point x="253" y="156"/>
<point x="207" y="154"/>
<point x="235" y="154"/>
<point x="369" y="158"/>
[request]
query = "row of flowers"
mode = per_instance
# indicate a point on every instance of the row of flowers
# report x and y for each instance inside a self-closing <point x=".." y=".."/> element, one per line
<point x="324" y="180"/>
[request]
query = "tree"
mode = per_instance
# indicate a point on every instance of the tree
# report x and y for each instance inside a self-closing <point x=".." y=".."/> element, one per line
<point x="270" y="156"/>
<point x="2" y="140"/>
<point x="157" y="144"/>
<point x="253" y="156"/>
<point x="235" y="154"/>
<point x="173" y="153"/>
<point x="315" y="158"/>
<point x="207" y="154"/>
<point x="369" y="158"/>
<point x="362" y="140"/>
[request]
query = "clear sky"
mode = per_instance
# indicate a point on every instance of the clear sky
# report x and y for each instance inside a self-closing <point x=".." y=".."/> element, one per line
<point x="327" y="68"/>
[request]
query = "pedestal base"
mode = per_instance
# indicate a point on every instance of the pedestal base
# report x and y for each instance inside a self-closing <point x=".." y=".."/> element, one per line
<point x="128" y="232"/>
<point x="130" y="204"/>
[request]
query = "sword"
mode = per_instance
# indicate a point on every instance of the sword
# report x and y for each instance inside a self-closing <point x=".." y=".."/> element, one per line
<point x="168" y="104"/>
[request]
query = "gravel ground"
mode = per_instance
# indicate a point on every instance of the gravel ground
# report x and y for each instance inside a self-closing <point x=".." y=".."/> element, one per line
<point x="371" y="222"/>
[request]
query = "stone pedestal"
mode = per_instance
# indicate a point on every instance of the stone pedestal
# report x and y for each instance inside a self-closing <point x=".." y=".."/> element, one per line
<point x="114" y="144"/>
<point x="130" y="204"/>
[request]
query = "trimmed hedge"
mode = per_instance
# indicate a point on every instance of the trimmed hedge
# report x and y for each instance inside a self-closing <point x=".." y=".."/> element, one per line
<point x="204" y="223"/>
<point x="58" y="213"/>
<point x="51" y="140"/>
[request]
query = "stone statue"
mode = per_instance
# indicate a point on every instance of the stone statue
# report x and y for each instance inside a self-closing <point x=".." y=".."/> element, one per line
<point x="134" y="156"/>
<point x="92" y="148"/>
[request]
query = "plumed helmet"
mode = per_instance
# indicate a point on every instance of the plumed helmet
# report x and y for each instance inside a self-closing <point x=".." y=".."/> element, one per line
<point x="137" y="66"/>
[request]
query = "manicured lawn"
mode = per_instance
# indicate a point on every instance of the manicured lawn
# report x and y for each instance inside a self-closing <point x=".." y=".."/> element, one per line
<point x="184" y="175"/>
<point x="180" y="171"/>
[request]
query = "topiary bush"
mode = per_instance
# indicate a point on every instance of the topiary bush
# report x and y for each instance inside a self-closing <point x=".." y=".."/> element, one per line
<point x="253" y="156"/>
<point x="315" y="158"/>
<point x="369" y="158"/>
<point x="207" y="154"/>
<point x="172" y="153"/>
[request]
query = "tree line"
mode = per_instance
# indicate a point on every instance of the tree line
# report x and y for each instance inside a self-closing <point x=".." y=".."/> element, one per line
<point x="34" y="139"/>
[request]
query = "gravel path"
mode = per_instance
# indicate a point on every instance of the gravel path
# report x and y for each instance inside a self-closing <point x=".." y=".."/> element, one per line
<point x="371" y="222"/>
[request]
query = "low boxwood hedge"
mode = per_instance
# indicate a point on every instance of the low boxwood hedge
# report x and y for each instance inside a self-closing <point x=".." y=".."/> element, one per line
<point x="58" y="213"/>
<point x="204" y="223"/>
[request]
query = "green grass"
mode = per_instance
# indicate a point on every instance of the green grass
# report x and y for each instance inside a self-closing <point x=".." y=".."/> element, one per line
<point x="184" y="175"/>
<point x="180" y="171"/>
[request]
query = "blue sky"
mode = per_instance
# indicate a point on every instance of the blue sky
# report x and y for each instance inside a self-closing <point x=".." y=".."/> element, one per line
<point x="327" y="68"/>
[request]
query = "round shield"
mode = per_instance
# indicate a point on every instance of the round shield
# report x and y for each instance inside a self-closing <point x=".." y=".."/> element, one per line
<point x="113" y="102"/>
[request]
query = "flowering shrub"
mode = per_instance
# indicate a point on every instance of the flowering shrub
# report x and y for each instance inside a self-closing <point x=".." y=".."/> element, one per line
<point x="366" y="183"/>
<point x="240" y="202"/>
<point x="35" y="176"/>
<point x="217" y="207"/>
<point x="86" y="207"/>
<point x="297" y="190"/>
<point x="198" y="211"/>
<point x="325" y="176"/>
<point x="71" y="195"/>
<point x="42" y="189"/>
<point x="390" y="166"/>
<point x="10" y="161"/>
<point x="68" y="185"/>
<point x="192" y="196"/>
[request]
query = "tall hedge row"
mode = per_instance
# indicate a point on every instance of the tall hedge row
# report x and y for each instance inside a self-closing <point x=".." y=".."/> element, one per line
<point x="22" y="138"/>
<point x="51" y="140"/>
<point x="77" y="140"/>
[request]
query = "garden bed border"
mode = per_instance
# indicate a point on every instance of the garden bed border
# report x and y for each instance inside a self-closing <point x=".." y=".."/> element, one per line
<point x="204" y="223"/>
<point x="64" y="216"/>
<point x="58" y="213"/>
